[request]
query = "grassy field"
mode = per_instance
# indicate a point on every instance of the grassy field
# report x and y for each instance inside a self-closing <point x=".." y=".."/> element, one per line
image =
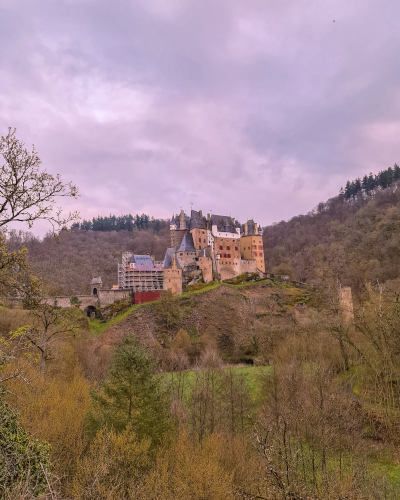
<point x="253" y="376"/>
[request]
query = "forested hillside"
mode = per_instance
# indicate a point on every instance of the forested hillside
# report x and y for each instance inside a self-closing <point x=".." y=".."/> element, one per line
<point x="67" y="267"/>
<point x="122" y="223"/>
<point x="356" y="239"/>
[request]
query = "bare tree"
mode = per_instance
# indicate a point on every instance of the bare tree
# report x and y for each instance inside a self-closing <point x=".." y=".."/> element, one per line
<point x="50" y="324"/>
<point x="28" y="192"/>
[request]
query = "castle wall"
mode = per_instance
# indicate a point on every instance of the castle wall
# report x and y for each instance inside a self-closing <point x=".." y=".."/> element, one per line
<point x="103" y="298"/>
<point x="176" y="238"/>
<point x="63" y="301"/>
<point x="205" y="265"/>
<point x="107" y="297"/>
<point x="199" y="238"/>
<point x="251" y="247"/>
<point x="248" y="266"/>
<point x="173" y="280"/>
<point x="228" y="270"/>
<point x="186" y="259"/>
<point x="228" y="249"/>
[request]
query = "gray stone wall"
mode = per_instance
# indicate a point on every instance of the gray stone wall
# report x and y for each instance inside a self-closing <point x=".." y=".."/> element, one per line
<point x="205" y="265"/>
<point x="248" y="266"/>
<point x="107" y="297"/>
<point x="186" y="260"/>
<point x="103" y="298"/>
<point x="63" y="301"/>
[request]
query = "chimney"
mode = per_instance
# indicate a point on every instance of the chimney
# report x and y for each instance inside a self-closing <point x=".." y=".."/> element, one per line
<point x="255" y="228"/>
<point x="201" y="213"/>
<point x="245" y="229"/>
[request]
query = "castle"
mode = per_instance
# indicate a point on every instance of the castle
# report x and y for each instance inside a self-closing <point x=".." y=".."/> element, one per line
<point x="210" y="248"/>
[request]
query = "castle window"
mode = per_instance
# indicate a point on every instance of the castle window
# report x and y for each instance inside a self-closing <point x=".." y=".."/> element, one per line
<point x="199" y="240"/>
<point x="229" y="255"/>
<point x="228" y="247"/>
<point x="221" y="247"/>
<point x="255" y="254"/>
<point x="249" y="248"/>
<point x="236" y="248"/>
<point x="202" y="232"/>
<point x="224" y="255"/>
<point x="261" y="254"/>
<point x="260" y="247"/>
<point x="204" y="241"/>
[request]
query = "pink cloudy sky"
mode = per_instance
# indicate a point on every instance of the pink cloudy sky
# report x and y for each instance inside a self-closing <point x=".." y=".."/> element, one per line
<point x="258" y="107"/>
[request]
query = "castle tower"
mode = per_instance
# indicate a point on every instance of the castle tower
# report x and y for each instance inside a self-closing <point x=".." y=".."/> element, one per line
<point x="172" y="272"/>
<point x="96" y="285"/>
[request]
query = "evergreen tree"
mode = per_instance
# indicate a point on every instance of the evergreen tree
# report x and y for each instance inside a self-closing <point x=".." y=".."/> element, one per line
<point x="396" y="172"/>
<point x="389" y="176"/>
<point x="132" y="396"/>
<point x="371" y="182"/>
<point x="364" y="183"/>
<point x="357" y="186"/>
<point x="347" y="190"/>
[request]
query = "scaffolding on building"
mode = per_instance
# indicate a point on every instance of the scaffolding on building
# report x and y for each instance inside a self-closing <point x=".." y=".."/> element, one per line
<point x="139" y="278"/>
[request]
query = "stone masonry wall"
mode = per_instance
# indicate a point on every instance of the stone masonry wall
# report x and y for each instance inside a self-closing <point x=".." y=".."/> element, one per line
<point x="176" y="238"/>
<point x="104" y="298"/>
<point x="228" y="271"/>
<point x="199" y="238"/>
<point x="107" y="297"/>
<point x="248" y="266"/>
<point x="85" y="300"/>
<point x="173" y="280"/>
<point x="205" y="265"/>
<point x="186" y="259"/>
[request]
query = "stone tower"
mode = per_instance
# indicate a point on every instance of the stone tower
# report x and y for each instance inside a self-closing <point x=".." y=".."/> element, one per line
<point x="96" y="285"/>
<point x="172" y="273"/>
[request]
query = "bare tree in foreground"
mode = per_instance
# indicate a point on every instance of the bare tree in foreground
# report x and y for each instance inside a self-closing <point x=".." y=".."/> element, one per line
<point x="27" y="192"/>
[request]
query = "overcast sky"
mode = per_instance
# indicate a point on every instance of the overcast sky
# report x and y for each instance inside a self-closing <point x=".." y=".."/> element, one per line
<point x="257" y="108"/>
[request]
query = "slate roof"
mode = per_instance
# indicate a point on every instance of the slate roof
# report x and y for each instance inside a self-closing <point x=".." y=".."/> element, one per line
<point x="169" y="255"/>
<point x="198" y="221"/>
<point x="204" y="252"/>
<point x="187" y="244"/>
<point x="96" y="281"/>
<point x="142" y="260"/>
<point x="224" y="223"/>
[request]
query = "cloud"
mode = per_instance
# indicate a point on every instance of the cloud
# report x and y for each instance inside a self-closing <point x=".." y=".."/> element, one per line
<point x="257" y="108"/>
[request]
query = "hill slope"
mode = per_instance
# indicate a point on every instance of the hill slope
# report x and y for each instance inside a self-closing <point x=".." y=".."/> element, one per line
<point x="355" y="240"/>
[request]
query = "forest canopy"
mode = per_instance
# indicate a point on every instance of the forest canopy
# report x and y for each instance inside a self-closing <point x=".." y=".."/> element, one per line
<point x="370" y="182"/>
<point x="127" y="222"/>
